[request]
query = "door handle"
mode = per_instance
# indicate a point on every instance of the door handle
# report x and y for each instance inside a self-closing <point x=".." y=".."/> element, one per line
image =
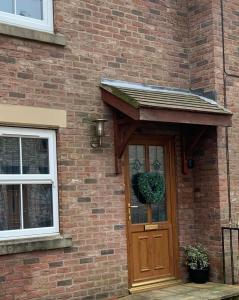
<point x="133" y="206"/>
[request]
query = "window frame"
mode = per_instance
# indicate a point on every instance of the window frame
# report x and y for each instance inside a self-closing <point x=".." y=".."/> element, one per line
<point x="18" y="179"/>
<point x="45" y="25"/>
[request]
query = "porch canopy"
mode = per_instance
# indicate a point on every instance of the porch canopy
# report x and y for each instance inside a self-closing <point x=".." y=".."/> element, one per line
<point x="138" y="102"/>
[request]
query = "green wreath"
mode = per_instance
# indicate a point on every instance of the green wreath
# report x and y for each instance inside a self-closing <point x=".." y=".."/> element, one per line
<point x="150" y="187"/>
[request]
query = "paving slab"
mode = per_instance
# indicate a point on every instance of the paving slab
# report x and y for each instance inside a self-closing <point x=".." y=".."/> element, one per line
<point x="190" y="291"/>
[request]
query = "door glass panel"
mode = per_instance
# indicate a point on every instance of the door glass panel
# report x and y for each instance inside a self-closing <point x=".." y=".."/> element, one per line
<point x="137" y="165"/>
<point x="156" y="162"/>
<point x="9" y="207"/>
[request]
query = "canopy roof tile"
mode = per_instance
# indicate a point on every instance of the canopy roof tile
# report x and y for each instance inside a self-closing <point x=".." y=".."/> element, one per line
<point x="153" y="103"/>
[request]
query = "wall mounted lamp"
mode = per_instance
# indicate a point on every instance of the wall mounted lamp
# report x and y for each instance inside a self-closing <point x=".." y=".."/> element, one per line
<point x="99" y="133"/>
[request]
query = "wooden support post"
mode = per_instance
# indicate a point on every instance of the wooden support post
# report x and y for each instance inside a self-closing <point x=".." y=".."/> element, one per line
<point x="123" y="129"/>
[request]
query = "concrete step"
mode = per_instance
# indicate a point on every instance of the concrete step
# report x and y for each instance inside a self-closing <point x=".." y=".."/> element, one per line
<point x="190" y="291"/>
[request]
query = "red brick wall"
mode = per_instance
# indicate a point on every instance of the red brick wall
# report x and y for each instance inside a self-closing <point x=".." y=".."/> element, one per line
<point x="139" y="41"/>
<point x="211" y="170"/>
<point x="206" y="200"/>
<point x="201" y="47"/>
<point x="168" y="43"/>
<point x="231" y="37"/>
<point x="205" y="174"/>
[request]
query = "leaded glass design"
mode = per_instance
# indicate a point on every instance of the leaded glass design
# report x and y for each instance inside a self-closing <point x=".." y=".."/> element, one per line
<point x="156" y="162"/>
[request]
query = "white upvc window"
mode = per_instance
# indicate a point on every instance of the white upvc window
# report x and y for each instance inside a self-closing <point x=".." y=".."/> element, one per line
<point x="28" y="183"/>
<point x="32" y="14"/>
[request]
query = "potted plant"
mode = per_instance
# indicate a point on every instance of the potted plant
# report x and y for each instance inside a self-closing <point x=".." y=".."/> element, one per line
<point x="198" y="263"/>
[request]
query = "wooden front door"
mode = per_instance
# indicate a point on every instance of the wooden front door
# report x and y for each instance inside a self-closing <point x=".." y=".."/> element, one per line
<point x="152" y="238"/>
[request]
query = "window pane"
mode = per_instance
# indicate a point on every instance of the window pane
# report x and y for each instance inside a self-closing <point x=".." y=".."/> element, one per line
<point x="35" y="158"/>
<point x="7" y="6"/>
<point x="9" y="207"/>
<point x="9" y="155"/>
<point x="37" y="205"/>
<point x="30" y="8"/>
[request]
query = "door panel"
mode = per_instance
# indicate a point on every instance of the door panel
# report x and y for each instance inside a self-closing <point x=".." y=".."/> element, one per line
<point x="141" y="256"/>
<point x="160" y="250"/>
<point x="144" y="255"/>
<point x="151" y="229"/>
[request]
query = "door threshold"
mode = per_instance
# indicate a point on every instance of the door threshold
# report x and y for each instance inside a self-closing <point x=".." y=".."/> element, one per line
<point x="153" y="284"/>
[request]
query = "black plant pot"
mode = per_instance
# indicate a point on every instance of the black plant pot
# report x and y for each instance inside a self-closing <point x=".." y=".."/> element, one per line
<point x="199" y="276"/>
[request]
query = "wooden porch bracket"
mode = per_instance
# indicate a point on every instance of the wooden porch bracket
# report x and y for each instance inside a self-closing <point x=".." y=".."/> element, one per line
<point x="124" y="127"/>
<point x="190" y="139"/>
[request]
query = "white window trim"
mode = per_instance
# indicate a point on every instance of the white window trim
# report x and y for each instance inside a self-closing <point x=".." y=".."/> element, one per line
<point x="45" y="25"/>
<point x="34" y="179"/>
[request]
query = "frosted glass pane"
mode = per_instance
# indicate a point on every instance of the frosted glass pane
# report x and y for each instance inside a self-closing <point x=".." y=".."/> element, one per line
<point x="7" y="6"/>
<point x="30" y="8"/>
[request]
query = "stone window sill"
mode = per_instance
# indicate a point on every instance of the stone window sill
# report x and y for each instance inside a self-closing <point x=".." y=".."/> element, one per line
<point x="35" y="244"/>
<point x="34" y="35"/>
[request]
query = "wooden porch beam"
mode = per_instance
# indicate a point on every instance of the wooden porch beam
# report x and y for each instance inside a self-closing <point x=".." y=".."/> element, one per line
<point x="184" y="117"/>
<point x="120" y="105"/>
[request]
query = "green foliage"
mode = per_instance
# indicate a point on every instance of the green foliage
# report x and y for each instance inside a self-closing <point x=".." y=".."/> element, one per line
<point x="196" y="257"/>
<point x="151" y="186"/>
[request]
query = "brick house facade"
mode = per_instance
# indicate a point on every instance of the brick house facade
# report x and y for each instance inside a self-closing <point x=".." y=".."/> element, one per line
<point x="167" y="43"/>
